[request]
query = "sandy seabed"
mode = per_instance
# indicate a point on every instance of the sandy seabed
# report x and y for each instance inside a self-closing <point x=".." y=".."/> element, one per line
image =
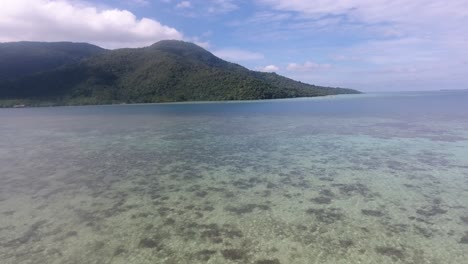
<point x="261" y="188"/>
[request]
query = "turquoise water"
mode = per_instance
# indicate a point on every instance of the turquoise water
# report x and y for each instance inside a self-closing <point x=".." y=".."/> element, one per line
<point x="375" y="178"/>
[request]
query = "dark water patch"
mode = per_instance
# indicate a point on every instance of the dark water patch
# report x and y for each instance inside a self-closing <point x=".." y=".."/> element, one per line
<point x="208" y="208"/>
<point x="169" y="221"/>
<point x="193" y="188"/>
<point x="328" y="215"/>
<point x="120" y="250"/>
<point x="211" y="232"/>
<point x="201" y="194"/>
<point x="433" y="159"/>
<point x="32" y="234"/>
<point x="89" y="218"/>
<point x="205" y="254"/>
<point x="346" y="243"/>
<point x="232" y="232"/>
<point x="375" y="213"/>
<point x="437" y="201"/>
<point x="327" y="179"/>
<point x="140" y="215"/>
<point x="229" y="195"/>
<point x="190" y="175"/>
<point x="464" y="219"/>
<point x="58" y="191"/>
<point x="9" y="228"/>
<point x="464" y="239"/>
<point x="299" y="182"/>
<point x="268" y="261"/>
<point x="118" y="207"/>
<point x="396" y="165"/>
<point x="164" y="211"/>
<point x="421" y="220"/>
<point x="394" y="253"/>
<point x="150" y="243"/>
<point x="322" y="200"/>
<point x="395" y="229"/>
<point x="9" y="213"/>
<point x="189" y="207"/>
<point x="216" y="189"/>
<point x="54" y="232"/>
<point x="425" y="232"/>
<point x="301" y="228"/>
<point x="235" y="254"/>
<point x="327" y="193"/>
<point x="67" y="235"/>
<point x="54" y="252"/>
<point x="353" y="189"/>
<point x="155" y="196"/>
<point x="271" y="185"/>
<point x="199" y="214"/>
<point x="411" y="186"/>
<point x="247" y="183"/>
<point x="246" y="208"/>
<point x="429" y="211"/>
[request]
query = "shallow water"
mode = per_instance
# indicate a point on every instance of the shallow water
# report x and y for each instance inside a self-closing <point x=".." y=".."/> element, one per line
<point x="376" y="178"/>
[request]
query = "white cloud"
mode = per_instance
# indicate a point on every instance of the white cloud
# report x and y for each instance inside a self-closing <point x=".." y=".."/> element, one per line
<point x="307" y="66"/>
<point x="417" y="44"/>
<point x="379" y="18"/>
<point x="344" y="58"/>
<point x="199" y="42"/>
<point x="204" y="8"/>
<point x="139" y="2"/>
<point x="184" y="4"/>
<point x="203" y="44"/>
<point x="377" y="10"/>
<point x="58" y="20"/>
<point x="268" y="68"/>
<point x="222" y="6"/>
<point x="234" y="54"/>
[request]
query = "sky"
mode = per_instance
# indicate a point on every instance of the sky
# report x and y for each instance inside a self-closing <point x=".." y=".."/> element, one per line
<point x="369" y="45"/>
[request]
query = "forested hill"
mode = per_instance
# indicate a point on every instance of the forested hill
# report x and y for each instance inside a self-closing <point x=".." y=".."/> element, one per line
<point x="19" y="59"/>
<point x="166" y="71"/>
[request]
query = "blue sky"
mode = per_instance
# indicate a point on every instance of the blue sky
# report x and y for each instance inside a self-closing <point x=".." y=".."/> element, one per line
<point x="370" y="45"/>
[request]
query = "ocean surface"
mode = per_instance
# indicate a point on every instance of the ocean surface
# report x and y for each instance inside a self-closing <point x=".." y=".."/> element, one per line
<point x="373" y="178"/>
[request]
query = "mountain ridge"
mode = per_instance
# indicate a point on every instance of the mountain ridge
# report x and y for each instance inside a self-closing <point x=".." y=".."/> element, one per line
<point x="27" y="57"/>
<point x="167" y="71"/>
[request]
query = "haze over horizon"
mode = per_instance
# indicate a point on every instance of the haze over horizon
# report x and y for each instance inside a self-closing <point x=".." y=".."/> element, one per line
<point x="380" y="45"/>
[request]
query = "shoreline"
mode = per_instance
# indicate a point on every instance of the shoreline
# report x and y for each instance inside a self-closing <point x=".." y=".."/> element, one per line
<point x="22" y="104"/>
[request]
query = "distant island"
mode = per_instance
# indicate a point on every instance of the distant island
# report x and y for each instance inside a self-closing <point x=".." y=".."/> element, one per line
<point x="65" y="73"/>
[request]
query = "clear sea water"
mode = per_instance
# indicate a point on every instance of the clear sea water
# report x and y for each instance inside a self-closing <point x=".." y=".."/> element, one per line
<point x="374" y="178"/>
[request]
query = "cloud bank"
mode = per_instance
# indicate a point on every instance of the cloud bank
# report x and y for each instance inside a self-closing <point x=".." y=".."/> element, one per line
<point x="418" y="44"/>
<point x="58" y="20"/>
<point x="268" y="68"/>
<point x="307" y="66"/>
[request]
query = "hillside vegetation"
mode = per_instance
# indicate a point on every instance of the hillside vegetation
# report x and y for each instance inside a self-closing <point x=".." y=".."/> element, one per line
<point x="19" y="59"/>
<point x="164" y="72"/>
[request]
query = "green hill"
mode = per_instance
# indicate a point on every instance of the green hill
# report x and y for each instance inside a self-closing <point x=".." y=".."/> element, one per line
<point x="166" y="71"/>
<point x="18" y="59"/>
